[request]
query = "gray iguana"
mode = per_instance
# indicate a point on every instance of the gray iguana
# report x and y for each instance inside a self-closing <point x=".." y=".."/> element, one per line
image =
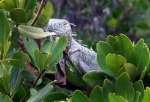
<point x="83" y="59"/>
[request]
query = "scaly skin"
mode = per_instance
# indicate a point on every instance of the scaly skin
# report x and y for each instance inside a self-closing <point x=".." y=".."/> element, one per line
<point x="82" y="56"/>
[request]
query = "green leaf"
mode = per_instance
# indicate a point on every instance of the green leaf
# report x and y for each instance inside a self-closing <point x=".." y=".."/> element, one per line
<point x="146" y="95"/>
<point x="71" y="73"/>
<point x="103" y="49"/>
<point x="122" y="46"/>
<point x="4" y="34"/>
<point x="29" y="8"/>
<point x="137" y="95"/>
<point x="115" y="62"/>
<point x="130" y="69"/>
<point x="141" y="56"/>
<point x="96" y="95"/>
<point x="18" y="15"/>
<point x="5" y="69"/>
<point x="41" y="94"/>
<point x="5" y="98"/>
<point x="139" y="87"/>
<point x="124" y="88"/>
<point x="56" y="96"/>
<point x="19" y="59"/>
<point x="2" y="97"/>
<point x="78" y="96"/>
<point x="31" y="46"/>
<point x="44" y="16"/>
<point x="52" y="70"/>
<point x="15" y="80"/>
<point x="33" y="91"/>
<point x="33" y="32"/>
<point x="115" y="98"/>
<point x="40" y="60"/>
<point x="1" y="71"/>
<point x="4" y="84"/>
<point x="7" y="4"/>
<point x="21" y="3"/>
<point x="94" y="78"/>
<point x="108" y="87"/>
<point x="39" y="82"/>
<point x="22" y="91"/>
<point x="29" y="4"/>
<point x="55" y="48"/>
<point x="26" y="74"/>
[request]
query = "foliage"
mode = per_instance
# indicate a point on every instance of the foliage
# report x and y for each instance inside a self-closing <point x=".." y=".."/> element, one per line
<point x="28" y="62"/>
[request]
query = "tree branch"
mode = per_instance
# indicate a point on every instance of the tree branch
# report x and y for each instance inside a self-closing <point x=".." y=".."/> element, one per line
<point x="38" y="13"/>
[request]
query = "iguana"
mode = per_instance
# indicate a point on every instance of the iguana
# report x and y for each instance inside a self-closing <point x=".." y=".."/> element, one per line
<point x="83" y="58"/>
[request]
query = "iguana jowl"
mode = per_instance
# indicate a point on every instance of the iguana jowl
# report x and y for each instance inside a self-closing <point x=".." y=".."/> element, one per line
<point x="80" y="55"/>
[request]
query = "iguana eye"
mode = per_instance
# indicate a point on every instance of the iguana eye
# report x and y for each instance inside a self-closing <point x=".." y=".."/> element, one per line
<point x="65" y="24"/>
<point x="54" y="24"/>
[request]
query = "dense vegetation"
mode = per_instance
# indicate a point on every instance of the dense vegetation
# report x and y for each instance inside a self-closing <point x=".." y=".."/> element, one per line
<point x="30" y="64"/>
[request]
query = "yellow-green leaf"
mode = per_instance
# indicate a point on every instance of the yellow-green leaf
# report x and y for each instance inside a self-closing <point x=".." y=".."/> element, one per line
<point x="33" y="32"/>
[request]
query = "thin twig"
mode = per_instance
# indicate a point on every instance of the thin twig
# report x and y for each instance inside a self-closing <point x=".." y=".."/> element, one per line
<point x="33" y="85"/>
<point x="36" y="18"/>
<point x="38" y="13"/>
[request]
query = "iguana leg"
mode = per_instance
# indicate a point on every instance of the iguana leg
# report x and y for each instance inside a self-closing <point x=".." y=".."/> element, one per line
<point x="83" y="66"/>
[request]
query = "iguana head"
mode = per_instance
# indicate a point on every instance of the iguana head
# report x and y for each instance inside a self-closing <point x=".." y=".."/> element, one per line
<point x="59" y="26"/>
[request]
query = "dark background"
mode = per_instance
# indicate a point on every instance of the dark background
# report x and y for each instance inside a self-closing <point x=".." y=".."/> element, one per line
<point x="96" y="19"/>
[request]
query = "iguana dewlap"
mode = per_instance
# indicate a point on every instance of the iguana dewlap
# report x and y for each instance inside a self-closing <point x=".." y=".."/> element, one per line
<point x="82" y="56"/>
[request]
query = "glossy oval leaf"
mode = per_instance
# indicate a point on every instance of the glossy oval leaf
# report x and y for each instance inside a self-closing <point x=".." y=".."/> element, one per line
<point x="26" y="74"/>
<point x="103" y="49"/>
<point x="115" y="98"/>
<point x="55" y="48"/>
<point x="4" y="86"/>
<point x="2" y="73"/>
<point x="56" y="96"/>
<point x="139" y="87"/>
<point x="18" y="15"/>
<point x="30" y="46"/>
<point x="137" y="95"/>
<point x="21" y="93"/>
<point x="71" y="73"/>
<point x="40" y="60"/>
<point x="122" y="46"/>
<point x="108" y="87"/>
<point x="21" y="3"/>
<point x="146" y="95"/>
<point x="7" y="4"/>
<point x="94" y="78"/>
<point x="30" y="6"/>
<point x="33" y="91"/>
<point x="4" y="34"/>
<point x="114" y="62"/>
<point x="19" y="59"/>
<point x="5" y="98"/>
<point x="33" y="32"/>
<point x="78" y="96"/>
<point x="130" y="69"/>
<point x="123" y="87"/>
<point x="41" y="94"/>
<point x="44" y="16"/>
<point x="97" y="95"/>
<point x="141" y="55"/>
